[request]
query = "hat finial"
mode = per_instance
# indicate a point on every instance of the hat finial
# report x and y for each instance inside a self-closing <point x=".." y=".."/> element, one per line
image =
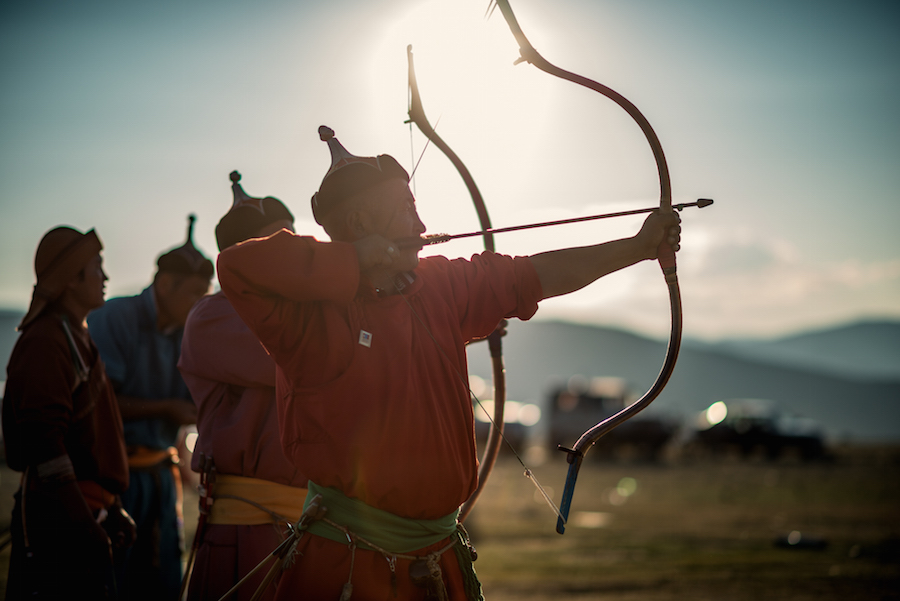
<point x="240" y="197"/>
<point x="247" y="215"/>
<point x="187" y="258"/>
<point x="190" y="229"/>
<point x="340" y="156"/>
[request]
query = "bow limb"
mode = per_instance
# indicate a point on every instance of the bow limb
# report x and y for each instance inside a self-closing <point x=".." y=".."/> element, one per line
<point x="495" y="345"/>
<point x="665" y="256"/>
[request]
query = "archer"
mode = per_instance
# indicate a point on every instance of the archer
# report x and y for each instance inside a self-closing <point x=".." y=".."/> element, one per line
<point x="369" y="343"/>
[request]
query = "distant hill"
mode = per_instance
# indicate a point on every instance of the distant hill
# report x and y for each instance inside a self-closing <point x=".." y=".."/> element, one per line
<point x="541" y="355"/>
<point x="846" y="378"/>
<point x="865" y="350"/>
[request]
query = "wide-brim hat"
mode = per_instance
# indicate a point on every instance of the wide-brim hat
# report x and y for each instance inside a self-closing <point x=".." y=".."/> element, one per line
<point x="61" y="255"/>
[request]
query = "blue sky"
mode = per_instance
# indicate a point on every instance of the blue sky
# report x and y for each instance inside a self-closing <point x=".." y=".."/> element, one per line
<point x="128" y="116"/>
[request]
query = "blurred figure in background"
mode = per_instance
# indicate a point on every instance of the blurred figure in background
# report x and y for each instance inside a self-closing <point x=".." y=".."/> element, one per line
<point x="139" y="338"/>
<point x="62" y="428"/>
<point x="252" y="487"/>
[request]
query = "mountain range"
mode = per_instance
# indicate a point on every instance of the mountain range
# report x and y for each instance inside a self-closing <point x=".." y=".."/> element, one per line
<point x="846" y="378"/>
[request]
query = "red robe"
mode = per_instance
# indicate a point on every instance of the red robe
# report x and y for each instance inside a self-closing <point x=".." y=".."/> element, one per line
<point x="372" y="392"/>
<point x="59" y="402"/>
<point x="47" y="412"/>
<point x="232" y="381"/>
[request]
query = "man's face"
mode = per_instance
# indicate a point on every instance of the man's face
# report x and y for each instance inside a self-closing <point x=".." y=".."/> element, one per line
<point x="390" y="210"/>
<point x="89" y="288"/>
<point x="179" y="293"/>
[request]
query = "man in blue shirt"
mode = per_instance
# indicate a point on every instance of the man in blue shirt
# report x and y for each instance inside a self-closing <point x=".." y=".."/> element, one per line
<point x="139" y="339"/>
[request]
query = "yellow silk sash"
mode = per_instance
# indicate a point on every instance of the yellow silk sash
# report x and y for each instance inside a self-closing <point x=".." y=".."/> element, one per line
<point x="238" y="501"/>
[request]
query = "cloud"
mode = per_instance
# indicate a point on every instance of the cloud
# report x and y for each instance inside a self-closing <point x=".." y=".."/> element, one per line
<point x="737" y="284"/>
<point x="763" y="286"/>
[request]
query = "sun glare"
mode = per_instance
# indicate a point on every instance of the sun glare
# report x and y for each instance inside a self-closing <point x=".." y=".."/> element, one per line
<point x="486" y="109"/>
<point x="461" y="59"/>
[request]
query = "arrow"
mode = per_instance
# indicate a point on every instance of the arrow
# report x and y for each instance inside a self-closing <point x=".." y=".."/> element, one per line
<point x="441" y="238"/>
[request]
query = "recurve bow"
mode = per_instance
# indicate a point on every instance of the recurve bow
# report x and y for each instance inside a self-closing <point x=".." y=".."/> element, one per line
<point x="665" y="256"/>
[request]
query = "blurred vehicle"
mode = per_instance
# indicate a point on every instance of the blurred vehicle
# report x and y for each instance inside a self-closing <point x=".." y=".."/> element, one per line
<point x="757" y="428"/>
<point x="582" y="403"/>
<point x="519" y="420"/>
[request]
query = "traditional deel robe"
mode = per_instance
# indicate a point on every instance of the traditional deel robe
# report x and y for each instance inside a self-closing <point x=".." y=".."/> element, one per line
<point x="232" y="379"/>
<point x="142" y="362"/>
<point x="59" y="402"/>
<point x="369" y="403"/>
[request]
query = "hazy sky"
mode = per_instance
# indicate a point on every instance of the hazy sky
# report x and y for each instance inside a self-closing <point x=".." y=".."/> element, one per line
<point x="126" y="117"/>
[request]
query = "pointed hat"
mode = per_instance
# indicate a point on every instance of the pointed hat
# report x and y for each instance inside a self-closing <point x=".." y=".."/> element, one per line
<point x="247" y="215"/>
<point x="350" y="174"/>
<point x="186" y="259"/>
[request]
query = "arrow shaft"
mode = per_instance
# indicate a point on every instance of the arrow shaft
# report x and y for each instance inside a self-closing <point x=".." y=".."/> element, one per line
<point x="441" y="238"/>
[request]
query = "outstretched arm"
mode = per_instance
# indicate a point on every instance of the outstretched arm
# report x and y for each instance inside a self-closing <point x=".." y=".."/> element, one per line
<point x="570" y="269"/>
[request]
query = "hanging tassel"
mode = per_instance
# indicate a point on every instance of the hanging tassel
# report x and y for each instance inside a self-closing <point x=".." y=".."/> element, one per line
<point x="426" y="573"/>
<point x="346" y="592"/>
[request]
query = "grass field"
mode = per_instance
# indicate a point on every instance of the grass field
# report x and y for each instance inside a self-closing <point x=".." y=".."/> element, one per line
<point x="711" y="530"/>
<point x="696" y="531"/>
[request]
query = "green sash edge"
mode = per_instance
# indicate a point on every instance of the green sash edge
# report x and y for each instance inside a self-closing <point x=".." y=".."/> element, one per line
<point x="388" y="531"/>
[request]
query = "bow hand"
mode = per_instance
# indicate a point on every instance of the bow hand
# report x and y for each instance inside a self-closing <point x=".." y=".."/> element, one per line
<point x="660" y="234"/>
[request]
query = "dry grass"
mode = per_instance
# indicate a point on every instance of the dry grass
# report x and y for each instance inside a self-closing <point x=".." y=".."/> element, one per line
<point x="699" y="531"/>
<point x="695" y="531"/>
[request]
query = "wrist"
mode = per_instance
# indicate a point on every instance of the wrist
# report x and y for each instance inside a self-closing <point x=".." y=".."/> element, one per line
<point x="646" y="247"/>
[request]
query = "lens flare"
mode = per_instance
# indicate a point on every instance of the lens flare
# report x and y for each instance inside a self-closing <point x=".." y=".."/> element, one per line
<point x="716" y="413"/>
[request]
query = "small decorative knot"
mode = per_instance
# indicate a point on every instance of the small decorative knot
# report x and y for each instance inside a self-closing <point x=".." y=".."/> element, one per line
<point x="434" y="565"/>
<point x="234" y="176"/>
